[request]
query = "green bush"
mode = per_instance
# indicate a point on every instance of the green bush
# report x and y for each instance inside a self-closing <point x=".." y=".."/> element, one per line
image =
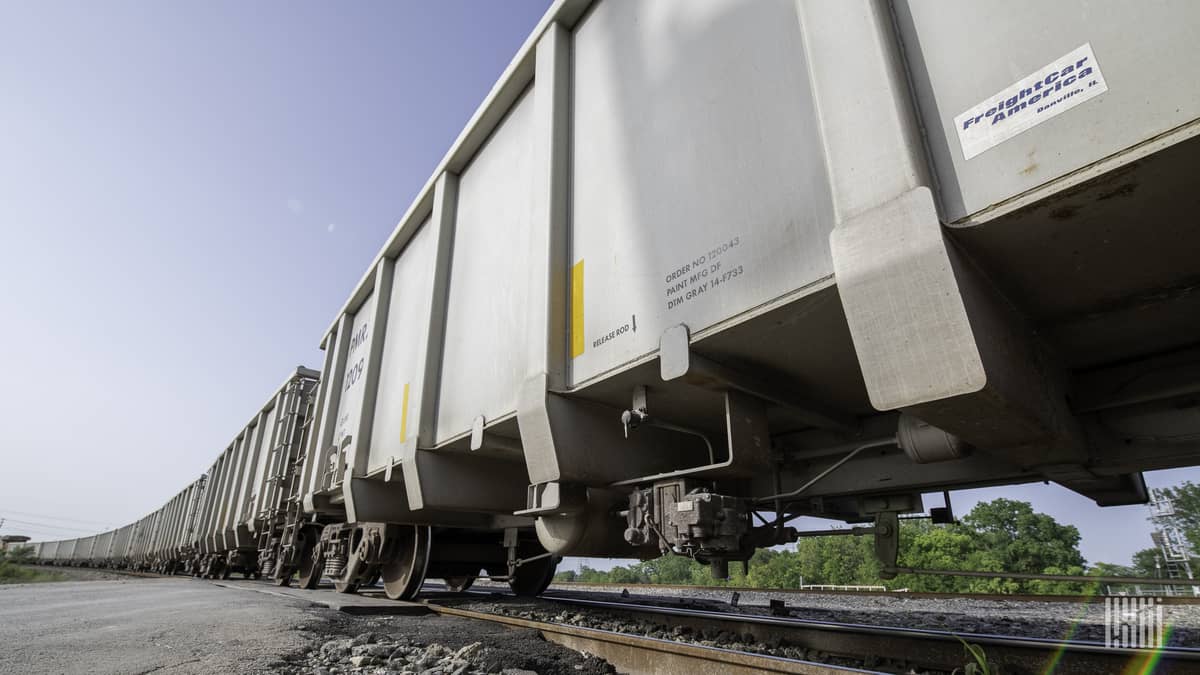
<point x="13" y="568"/>
<point x="21" y="555"/>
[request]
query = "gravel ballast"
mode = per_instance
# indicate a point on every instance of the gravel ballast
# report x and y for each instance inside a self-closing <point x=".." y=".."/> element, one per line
<point x="633" y="624"/>
<point x="1021" y="618"/>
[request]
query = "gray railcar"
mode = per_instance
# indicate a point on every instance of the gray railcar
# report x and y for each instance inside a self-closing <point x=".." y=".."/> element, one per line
<point x="695" y="260"/>
<point x="100" y="549"/>
<point x="119" y="554"/>
<point x="62" y="555"/>
<point x="238" y="519"/>
<point x="81" y="554"/>
<point x="46" y="551"/>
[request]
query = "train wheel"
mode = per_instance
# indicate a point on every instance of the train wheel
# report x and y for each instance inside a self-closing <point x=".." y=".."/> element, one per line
<point x="312" y="565"/>
<point x="532" y="578"/>
<point x="347" y="581"/>
<point x="458" y="584"/>
<point x="282" y="578"/>
<point x="405" y="572"/>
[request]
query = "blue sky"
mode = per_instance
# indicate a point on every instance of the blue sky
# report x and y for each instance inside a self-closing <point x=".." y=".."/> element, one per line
<point x="188" y="193"/>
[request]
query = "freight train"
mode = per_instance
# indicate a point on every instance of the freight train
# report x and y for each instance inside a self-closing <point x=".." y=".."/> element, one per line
<point x="695" y="269"/>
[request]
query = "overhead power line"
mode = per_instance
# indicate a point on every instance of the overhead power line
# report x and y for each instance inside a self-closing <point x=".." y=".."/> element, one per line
<point x="43" y="516"/>
<point x="50" y="525"/>
<point x="9" y="527"/>
<point x="39" y="534"/>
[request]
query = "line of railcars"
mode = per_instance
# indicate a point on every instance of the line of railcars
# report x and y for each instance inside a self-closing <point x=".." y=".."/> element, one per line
<point x="697" y="268"/>
<point x="230" y="519"/>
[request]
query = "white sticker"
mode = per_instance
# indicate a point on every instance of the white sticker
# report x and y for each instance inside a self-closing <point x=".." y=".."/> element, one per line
<point x="1048" y="92"/>
<point x="683" y="506"/>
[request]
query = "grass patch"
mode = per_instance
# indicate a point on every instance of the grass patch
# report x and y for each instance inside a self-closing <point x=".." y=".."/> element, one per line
<point x="11" y="573"/>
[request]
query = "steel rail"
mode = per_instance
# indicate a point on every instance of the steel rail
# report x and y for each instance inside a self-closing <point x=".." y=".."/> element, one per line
<point x="638" y="654"/>
<point x="923" y="647"/>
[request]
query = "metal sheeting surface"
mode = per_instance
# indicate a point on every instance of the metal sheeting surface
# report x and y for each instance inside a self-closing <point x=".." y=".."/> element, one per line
<point x="398" y="404"/>
<point x="349" y="412"/>
<point x="699" y="188"/>
<point x="963" y="53"/>
<point x="482" y="366"/>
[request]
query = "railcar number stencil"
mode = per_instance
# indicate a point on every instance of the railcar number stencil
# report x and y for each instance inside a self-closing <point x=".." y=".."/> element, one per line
<point x="701" y="274"/>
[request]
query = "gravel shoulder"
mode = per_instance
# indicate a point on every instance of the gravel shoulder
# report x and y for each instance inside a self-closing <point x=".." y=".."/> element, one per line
<point x="187" y="626"/>
<point x="139" y="625"/>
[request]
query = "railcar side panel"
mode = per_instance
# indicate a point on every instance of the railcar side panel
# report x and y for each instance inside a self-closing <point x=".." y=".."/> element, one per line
<point x="967" y="57"/>
<point x="349" y="411"/>
<point x="483" y="360"/>
<point x="698" y="187"/>
<point x="398" y="405"/>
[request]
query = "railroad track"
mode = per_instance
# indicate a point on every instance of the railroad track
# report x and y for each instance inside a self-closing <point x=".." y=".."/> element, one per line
<point x="638" y="654"/>
<point x="827" y="646"/>
<point x="1082" y="599"/>
<point x="132" y="573"/>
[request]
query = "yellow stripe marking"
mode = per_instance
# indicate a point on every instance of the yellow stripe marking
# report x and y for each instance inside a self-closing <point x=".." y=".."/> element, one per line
<point x="577" y="309"/>
<point x="404" y="415"/>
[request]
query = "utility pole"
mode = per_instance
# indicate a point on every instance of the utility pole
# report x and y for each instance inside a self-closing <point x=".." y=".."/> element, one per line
<point x="1174" y="551"/>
